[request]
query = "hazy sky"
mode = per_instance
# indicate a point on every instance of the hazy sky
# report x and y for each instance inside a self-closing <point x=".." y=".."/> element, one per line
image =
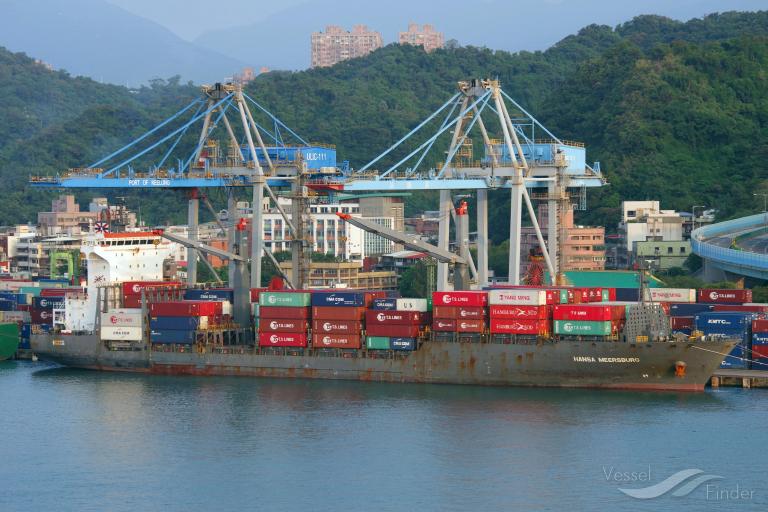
<point x="191" y="18"/>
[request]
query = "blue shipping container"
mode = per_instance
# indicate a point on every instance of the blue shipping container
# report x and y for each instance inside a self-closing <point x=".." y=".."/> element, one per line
<point x="384" y="304"/>
<point x="22" y="298"/>
<point x="212" y="295"/>
<point x="402" y="343"/>
<point x="170" y="336"/>
<point x="7" y="296"/>
<point x="174" y="323"/>
<point x="26" y="330"/>
<point x="724" y="322"/>
<point x="760" y="338"/>
<point x="25" y="345"/>
<point x="7" y="305"/>
<point x="628" y="294"/>
<point x="354" y="299"/>
<point x="682" y="309"/>
<point x="732" y="361"/>
<point x="48" y="302"/>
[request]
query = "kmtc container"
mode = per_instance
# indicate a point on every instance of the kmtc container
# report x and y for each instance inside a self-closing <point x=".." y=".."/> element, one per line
<point x="412" y="305"/>
<point x="477" y="299"/>
<point x="389" y="304"/>
<point x="402" y="343"/>
<point x="121" y="333"/>
<point x="174" y="337"/>
<point x="334" y="313"/>
<point x="670" y="295"/>
<point x="216" y="294"/>
<point x="337" y="327"/>
<point x="282" y="325"/>
<point x="725" y="296"/>
<point x="48" y="303"/>
<point x="578" y="328"/>
<point x="336" y="340"/>
<point x="377" y="342"/>
<point x="285" y="299"/>
<point x="528" y="312"/>
<point x="271" y="339"/>
<point x="447" y="312"/>
<point x="394" y="330"/>
<point x="285" y="312"/>
<point x="736" y="359"/>
<point x="178" y="323"/>
<point x="682" y="309"/>
<point x="122" y="318"/>
<point x="529" y="326"/>
<point x="394" y="317"/>
<point x="517" y="297"/>
<point x="760" y="338"/>
<point x="185" y="308"/>
<point x="355" y="299"/>
<point x="729" y="323"/>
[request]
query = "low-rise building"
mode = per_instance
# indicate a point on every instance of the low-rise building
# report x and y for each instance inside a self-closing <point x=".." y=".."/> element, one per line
<point x="645" y="221"/>
<point x="349" y="275"/>
<point x="660" y="255"/>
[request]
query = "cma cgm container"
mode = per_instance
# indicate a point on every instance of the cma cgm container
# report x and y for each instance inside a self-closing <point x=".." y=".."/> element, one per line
<point x="527" y="326"/>
<point x="358" y="299"/>
<point x="527" y="312"/>
<point x="288" y="339"/>
<point x="336" y="340"/>
<point x="285" y="299"/>
<point x="476" y="299"/>
<point x="458" y="312"/>
<point x="579" y="328"/>
<point x="725" y="296"/>
<point x="215" y="294"/>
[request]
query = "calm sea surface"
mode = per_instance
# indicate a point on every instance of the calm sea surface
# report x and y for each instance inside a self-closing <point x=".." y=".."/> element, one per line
<point x="80" y="440"/>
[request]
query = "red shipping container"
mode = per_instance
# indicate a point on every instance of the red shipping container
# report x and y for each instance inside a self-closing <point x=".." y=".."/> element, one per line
<point x="285" y="312"/>
<point x="374" y="317"/>
<point x="458" y="312"/>
<point x="519" y="326"/>
<point x="681" y="322"/>
<point x="760" y="351"/>
<point x="132" y="301"/>
<point x="135" y="287"/>
<point x="336" y="340"/>
<point x="745" y="308"/>
<point x="282" y="325"/>
<point x="760" y="325"/>
<point x="476" y="299"/>
<point x="337" y="313"/>
<point x="583" y="312"/>
<point x="255" y="294"/>
<point x="530" y="312"/>
<point x="283" y="339"/>
<point x="393" y="330"/>
<point x="185" y="308"/>
<point x="470" y="325"/>
<point x="41" y="316"/>
<point x="60" y="292"/>
<point x="337" y="327"/>
<point x="444" y="325"/>
<point x="594" y="294"/>
<point x="724" y="296"/>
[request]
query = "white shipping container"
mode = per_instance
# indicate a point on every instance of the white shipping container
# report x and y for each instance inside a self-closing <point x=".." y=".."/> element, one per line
<point x="411" y="305"/>
<point x="517" y="297"/>
<point x="121" y="333"/>
<point x="14" y="316"/>
<point x="226" y="308"/>
<point x="670" y="295"/>
<point x="122" y="318"/>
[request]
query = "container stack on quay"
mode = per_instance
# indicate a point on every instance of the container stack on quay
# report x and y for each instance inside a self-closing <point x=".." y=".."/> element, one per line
<point x="284" y="318"/>
<point x="396" y="323"/>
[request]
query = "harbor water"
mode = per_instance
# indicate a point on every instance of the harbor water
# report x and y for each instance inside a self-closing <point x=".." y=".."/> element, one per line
<point x="83" y="440"/>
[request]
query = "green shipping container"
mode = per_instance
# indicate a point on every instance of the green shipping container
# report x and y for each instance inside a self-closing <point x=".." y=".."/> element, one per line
<point x="377" y="342"/>
<point x="285" y="299"/>
<point x="563" y="296"/>
<point x="34" y="290"/>
<point x="606" y="295"/>
<point x="429" y="302"/>
<point x="9" y="340"/>
<point x="570" y="327"/>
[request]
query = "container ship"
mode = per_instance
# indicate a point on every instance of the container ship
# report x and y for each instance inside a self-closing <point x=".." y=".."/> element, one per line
<point x="127" y="318"/>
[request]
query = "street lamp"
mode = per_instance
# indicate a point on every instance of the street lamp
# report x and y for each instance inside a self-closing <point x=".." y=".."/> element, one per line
<point x="693" y="213"/>
<point x="765" y="201"/>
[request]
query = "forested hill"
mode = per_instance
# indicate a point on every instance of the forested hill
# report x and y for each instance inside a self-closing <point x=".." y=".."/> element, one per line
<point x="673" y="110"/>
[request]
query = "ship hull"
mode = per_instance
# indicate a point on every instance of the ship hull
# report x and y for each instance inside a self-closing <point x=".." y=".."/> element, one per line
<point x="642" y="366"/>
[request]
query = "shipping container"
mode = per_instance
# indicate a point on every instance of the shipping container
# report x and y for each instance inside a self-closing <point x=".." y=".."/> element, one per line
<point x="215" y="294"/>
<point x="285" y="312"/>
<point x="688" y="309"/>
<point x="170" y="336"/>
<point x="334" y="313"/>
<point x="627" y="294"/>
<point x="48" y="303"/>
<point x="728" y="323"/>
<point x="448" y="312"/>
<point x="402" y="343"/>
<point x="41" y="316"/>
<point x="336" y="340"/>
<point x="742" y="308"/>
<point x="520" y="325"/>
<point x="255" y="294"/>
<point x="122" y="318"/>
<point x="337" y="326"/>
<point x="185" y="308"/>
<point x="760" y="325"/>
<point x="282" y="325"/>
<point x="121" y="333"/>
<point x="134" y="288"/>
<point x="288" y="339"/>
<point x="529" y="312"/>
<point x="476" y="299"/>
<point x="444" y="324"/>
<point x="387" y="304"/>
<point x="681" y="322"/>
<point x="518" y="296"/>
<point x="474" y="326"/>
<point x="724" y="296"/>
<point x="350" y="299"/>
<point x="285" y="299"/>
<point x="760" y="351"/>
<point x="178" y="323"/>
<point x="394" y="330"/>
<point x="412" y="305"/>
<point x="377" y="342"/>
<point x="760" y="338"/>
<point x="735" y="359"/>
<point x="586" y="312"/>
<point x="569" y="327"/>
<point x="670" y="295"/>
<point x="394" y="317"/>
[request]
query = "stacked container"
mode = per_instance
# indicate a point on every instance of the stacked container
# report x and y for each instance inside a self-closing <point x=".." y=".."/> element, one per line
<point x="523" y="311"/>
<point x="224" y="295"/>
<point x="588" y="319"/>
<point x="713" y="296"/>
<point x="42" y="309"/>
<point x="177" y="322"/>
<point x="337" y="318"/>
<point x="284" y="318"/>
<point x="396" y="324"/>
<point x="132" y="290"/>
<point x="462" y="313"/>
<point x="760" y="344"/>
<point x="681" y="316"/>
<point x="730" y="325"/>
<point x="122" y="325"/>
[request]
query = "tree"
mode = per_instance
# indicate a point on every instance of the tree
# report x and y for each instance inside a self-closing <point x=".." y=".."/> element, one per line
<point x="414" y="282"/>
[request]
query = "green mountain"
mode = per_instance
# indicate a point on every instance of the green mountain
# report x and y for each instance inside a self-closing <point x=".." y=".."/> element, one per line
<point x="675" y="111"/>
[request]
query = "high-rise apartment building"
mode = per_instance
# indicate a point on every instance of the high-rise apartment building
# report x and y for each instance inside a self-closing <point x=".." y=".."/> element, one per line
<point x="336" y="44"/>
<point x="427" y="37"/>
